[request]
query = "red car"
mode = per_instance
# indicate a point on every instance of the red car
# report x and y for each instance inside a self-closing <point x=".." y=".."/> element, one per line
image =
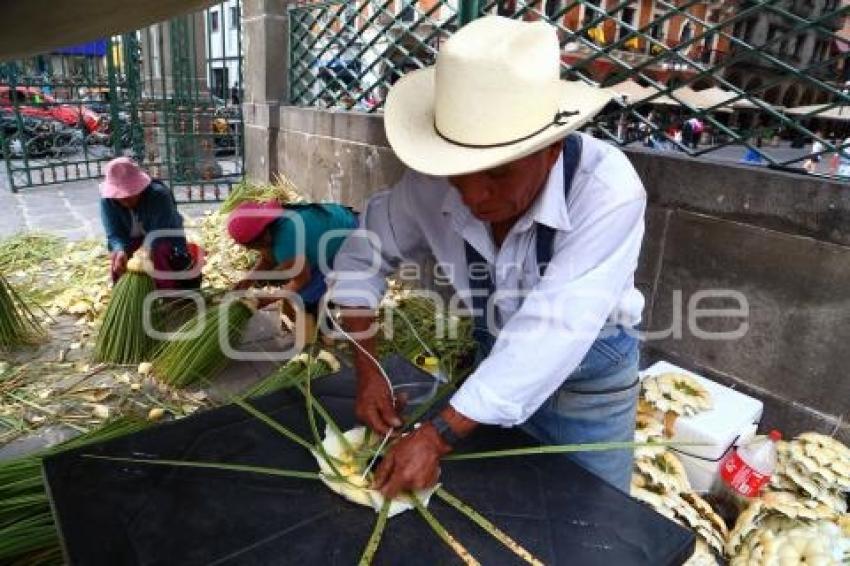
<point x="34" y="103"/>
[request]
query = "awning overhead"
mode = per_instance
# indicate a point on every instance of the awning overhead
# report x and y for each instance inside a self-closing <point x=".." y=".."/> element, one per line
<point x="820" y="111"/>
<point x="31" y="27"/>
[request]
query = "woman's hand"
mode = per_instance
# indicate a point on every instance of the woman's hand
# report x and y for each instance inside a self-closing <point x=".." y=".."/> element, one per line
<point x="119" y="263"/>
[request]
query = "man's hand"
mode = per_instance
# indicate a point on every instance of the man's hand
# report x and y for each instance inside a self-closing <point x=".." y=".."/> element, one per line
<point x="375" y="406"/>
<point x="119" y="263"/>
<point x="411" y="463"/>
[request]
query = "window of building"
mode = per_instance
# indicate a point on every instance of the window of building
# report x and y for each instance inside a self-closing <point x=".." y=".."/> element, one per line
<point x="707" y="48"/>
<point x="627" y="17"/>
<point x="590" y="13"/>
<point x="234" y="17"/>
<point x="772" y="32"/>
<point x="748" y="31"/>
<point x="687" y="33"/>
<point x="552" y="8"/>
<point x="658" y="27"/>
<point x="714" y="16"/>
<point x="798" y="45"/>
<point x="213" y="20"/>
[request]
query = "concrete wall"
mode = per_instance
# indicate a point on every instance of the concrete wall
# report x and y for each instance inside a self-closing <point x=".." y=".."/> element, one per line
<point x="781" y="240"/>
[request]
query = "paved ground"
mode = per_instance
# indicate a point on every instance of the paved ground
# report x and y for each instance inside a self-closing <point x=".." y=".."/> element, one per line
<point x="67" y="209"/>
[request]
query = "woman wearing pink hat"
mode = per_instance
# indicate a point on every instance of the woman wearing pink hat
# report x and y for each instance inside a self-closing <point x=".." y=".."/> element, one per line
<point x="134" y="206"/>
<point x="299" y="240"/>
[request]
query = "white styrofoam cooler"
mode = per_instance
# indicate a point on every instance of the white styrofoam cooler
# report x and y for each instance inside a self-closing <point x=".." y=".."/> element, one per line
<point x="733" y="418"/>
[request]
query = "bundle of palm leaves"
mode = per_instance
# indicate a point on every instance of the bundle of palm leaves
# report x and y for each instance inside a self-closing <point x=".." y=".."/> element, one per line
<point x="295" y="372"/>
<point x="18" y="324"/>
<point x="180" y="363"/>
<point x="27" y="530"/>
<point x="282" y="190"/>
<point x="415" y="325"/>
<point x="123" y="338"/>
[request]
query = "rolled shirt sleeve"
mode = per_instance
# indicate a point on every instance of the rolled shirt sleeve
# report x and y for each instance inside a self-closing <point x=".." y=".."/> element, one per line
<point x="388" y="234"/>
<point x="559" y="319"/>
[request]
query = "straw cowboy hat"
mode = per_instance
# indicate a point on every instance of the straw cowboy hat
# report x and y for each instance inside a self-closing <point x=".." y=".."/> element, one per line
<point x="493" y="96"/>
<point x="124" y="179"/>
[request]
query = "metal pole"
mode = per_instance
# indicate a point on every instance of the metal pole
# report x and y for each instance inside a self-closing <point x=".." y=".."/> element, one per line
<point x="468" y="11"/>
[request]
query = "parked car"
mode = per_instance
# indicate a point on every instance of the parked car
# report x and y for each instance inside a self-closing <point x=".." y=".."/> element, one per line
<point x="32" y="102"/>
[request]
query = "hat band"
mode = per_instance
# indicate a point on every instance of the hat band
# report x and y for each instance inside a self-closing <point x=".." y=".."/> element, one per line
<point x="557" y="120"/>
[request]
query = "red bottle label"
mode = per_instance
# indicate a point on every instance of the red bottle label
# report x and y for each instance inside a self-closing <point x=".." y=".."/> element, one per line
<point x="741" y="477"/>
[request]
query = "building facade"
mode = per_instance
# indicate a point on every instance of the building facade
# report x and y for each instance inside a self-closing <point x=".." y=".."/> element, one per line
<point x="776" y="39"/>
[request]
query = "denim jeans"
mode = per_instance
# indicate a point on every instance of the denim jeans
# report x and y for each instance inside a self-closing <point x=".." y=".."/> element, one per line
<point x="596" y="403"/>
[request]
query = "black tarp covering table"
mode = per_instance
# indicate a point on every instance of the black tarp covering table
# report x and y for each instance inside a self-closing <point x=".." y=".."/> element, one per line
<point x="112" y="513"/>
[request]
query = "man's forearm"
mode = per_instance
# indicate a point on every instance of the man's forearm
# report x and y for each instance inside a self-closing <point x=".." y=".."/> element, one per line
<point x="461" y="425"/>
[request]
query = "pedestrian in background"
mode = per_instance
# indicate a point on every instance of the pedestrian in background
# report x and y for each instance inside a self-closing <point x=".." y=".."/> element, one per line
<point x="696" y="127"/>
<point x="843" y="155"/>
<point x="811" y="164"/>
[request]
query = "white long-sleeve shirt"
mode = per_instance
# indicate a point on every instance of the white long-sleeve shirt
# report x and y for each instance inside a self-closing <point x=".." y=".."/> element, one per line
<point x="546" y="325"/>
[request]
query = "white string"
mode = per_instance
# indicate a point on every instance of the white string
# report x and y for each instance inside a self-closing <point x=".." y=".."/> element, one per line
<point x="386" y="378"/>
<point x="362" y="349"/>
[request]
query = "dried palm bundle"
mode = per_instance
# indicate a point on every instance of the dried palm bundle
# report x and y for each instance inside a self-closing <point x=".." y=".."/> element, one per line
<point x="180" y="363"/>
<point x="819" y="543"/>
<point x="123" y="338"/>
<point x="687" y="509"/>
<point x="780" y="528"/>
<point x="814" y="466"/>
<point x="648" y="429"/>
<point x="659" y="479"/>
<point x="225" y="261"/>
<point x="18" y="323"/>
<point x="673" y="395"/>
<point x="282" y="190"/>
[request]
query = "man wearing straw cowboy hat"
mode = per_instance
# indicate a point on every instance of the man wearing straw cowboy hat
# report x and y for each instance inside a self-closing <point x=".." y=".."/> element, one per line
<point x="539" y="227"/>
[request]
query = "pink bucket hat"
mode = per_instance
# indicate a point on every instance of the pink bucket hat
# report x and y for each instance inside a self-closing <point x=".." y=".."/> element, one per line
<point x="123" y="179"/>
<point x="249" y="219"/>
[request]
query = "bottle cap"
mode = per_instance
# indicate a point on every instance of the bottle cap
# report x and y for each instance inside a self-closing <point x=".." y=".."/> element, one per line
<point x="775" y="435"/>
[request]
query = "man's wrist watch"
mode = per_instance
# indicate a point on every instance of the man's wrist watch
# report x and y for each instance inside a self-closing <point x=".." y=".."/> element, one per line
<point x="445" y="431"/>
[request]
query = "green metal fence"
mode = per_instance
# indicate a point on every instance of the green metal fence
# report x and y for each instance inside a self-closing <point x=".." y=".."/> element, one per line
<point x="63" y="115"/>
<point x="757" y="81"/>
<point x="168" y="96"/>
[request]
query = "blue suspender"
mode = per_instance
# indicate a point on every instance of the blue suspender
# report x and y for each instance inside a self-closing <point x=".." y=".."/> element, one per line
<point x="482" y="287"/>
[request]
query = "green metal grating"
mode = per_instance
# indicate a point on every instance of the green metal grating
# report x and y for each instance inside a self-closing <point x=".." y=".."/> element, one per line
<point x="163" y="95"/>
<point x="765" y="77"/>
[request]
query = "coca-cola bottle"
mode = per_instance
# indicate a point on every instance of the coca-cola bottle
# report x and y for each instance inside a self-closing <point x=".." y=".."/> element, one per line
<point x="743" y="474"/>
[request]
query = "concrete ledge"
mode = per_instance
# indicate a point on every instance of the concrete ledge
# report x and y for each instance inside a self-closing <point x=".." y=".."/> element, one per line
<point x="261" y="114"/>
<point x="785" y="202"/>
<point x="330" y="169"/>
<point x="357" y="127"/>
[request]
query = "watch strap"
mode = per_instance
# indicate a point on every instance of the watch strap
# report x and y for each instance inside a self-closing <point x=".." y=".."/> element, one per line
<point x="445" y="431"/>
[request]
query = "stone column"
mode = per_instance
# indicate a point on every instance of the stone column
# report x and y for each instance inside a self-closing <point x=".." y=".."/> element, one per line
<point x="265" y="43"/>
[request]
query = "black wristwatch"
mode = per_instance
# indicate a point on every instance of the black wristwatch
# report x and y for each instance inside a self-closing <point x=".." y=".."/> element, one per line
<point x="445" y="431"/>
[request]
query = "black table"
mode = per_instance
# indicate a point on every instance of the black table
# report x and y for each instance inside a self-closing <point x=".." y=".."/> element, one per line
<point x="111" y="513"/>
